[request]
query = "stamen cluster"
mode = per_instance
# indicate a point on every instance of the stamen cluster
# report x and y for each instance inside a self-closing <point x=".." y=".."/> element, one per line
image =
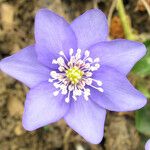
<point x="74" y="75"/>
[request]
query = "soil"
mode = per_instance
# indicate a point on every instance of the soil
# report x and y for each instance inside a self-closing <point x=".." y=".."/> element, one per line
<point x="16" y="32"/>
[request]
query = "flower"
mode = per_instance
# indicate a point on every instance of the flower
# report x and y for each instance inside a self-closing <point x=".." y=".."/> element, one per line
<point x="75" y="73"/>
<point x="147" y="145"/>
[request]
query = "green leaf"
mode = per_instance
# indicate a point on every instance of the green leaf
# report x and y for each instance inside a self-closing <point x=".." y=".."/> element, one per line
<point x="143" y="86"/>
<point x="142" y="68"/>
<point x="142" y="120"/>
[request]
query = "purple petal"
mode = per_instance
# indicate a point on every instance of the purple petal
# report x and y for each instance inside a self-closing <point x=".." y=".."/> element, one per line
<point x="42" y="107"/>
<point x="147" y="145"/>
<point x="87" y="119"/>
<point x="90" y="28"/>
<point x="24" y="67"/>
<point x="119" y="94"/>
<point x="52" y="34"/>
<point x="120" y="54"/>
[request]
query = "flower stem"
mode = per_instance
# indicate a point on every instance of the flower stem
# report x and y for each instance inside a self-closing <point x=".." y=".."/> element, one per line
<point x="125" y="21"/>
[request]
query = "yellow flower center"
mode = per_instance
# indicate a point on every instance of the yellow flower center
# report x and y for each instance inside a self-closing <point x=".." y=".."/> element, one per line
<point x="74" y="74"/>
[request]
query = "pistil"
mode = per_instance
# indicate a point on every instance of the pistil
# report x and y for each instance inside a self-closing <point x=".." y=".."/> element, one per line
<point x="74" y="74"/>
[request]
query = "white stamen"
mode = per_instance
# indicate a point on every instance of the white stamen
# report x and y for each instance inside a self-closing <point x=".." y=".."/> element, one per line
<point x="54" y="61"/>
<point x="56" y="85"/>
<point x="101" y="89"/>
<point x="88" y="74"/>
<point x="61" y="69"/>
<point x="71" y="51"/>
<point x="78" y="54"/>
<point x="89" y="59"/>
<point x="87" y="53"/>
<point x="99" y="83"/>
<point x="71" y="87"/>
<point x="78" y="51"/>
<point x="74" y="97"/>
<point x="98" y="88"/>
<point x="88" y="81"/>
<point x="67" y="99"/>
<point x="60" y="61"/>
<point x="87" y="65"/>
<point x="53" y="74"/>
<point x="64" y="92"/>
<point x="86" y="97"/>
<point x="63" y="54"/>
<point x="97" y="65"/>
<point x="55" y="93"/>
<point x="96" y="60"/>
<point x="51" y="80"/>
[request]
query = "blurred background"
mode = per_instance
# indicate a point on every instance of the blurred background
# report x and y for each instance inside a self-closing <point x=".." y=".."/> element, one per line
<point x="123" y="131"/>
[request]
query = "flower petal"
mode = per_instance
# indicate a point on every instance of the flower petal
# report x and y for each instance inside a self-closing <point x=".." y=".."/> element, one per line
<point x="119" y="94"/>
<point x="25" y="67"/>
<point x="147" y="145"/>
<point x="90" y="28"/>
<point x="52" y="34"/>
<point x="120" y="54"/>
<point x="87" y="119"/>
<point x="42" y="107"/>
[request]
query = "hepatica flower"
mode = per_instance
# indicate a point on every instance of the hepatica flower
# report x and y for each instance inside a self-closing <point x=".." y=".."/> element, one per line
<point x="75" y="73"/>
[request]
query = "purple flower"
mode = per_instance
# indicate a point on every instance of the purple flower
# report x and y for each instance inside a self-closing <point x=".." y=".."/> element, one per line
<point x="76" y="74"/>
<point x="147" y="145"/>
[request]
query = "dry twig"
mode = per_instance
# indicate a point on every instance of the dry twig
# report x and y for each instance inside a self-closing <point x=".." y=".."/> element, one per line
<point x="66" y="138"/>
<point x="146" y="6"/>
<point x="112" y="8"/>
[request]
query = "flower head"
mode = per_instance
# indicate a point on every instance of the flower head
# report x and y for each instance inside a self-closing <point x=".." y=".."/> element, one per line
<point x="75" y="73"/>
